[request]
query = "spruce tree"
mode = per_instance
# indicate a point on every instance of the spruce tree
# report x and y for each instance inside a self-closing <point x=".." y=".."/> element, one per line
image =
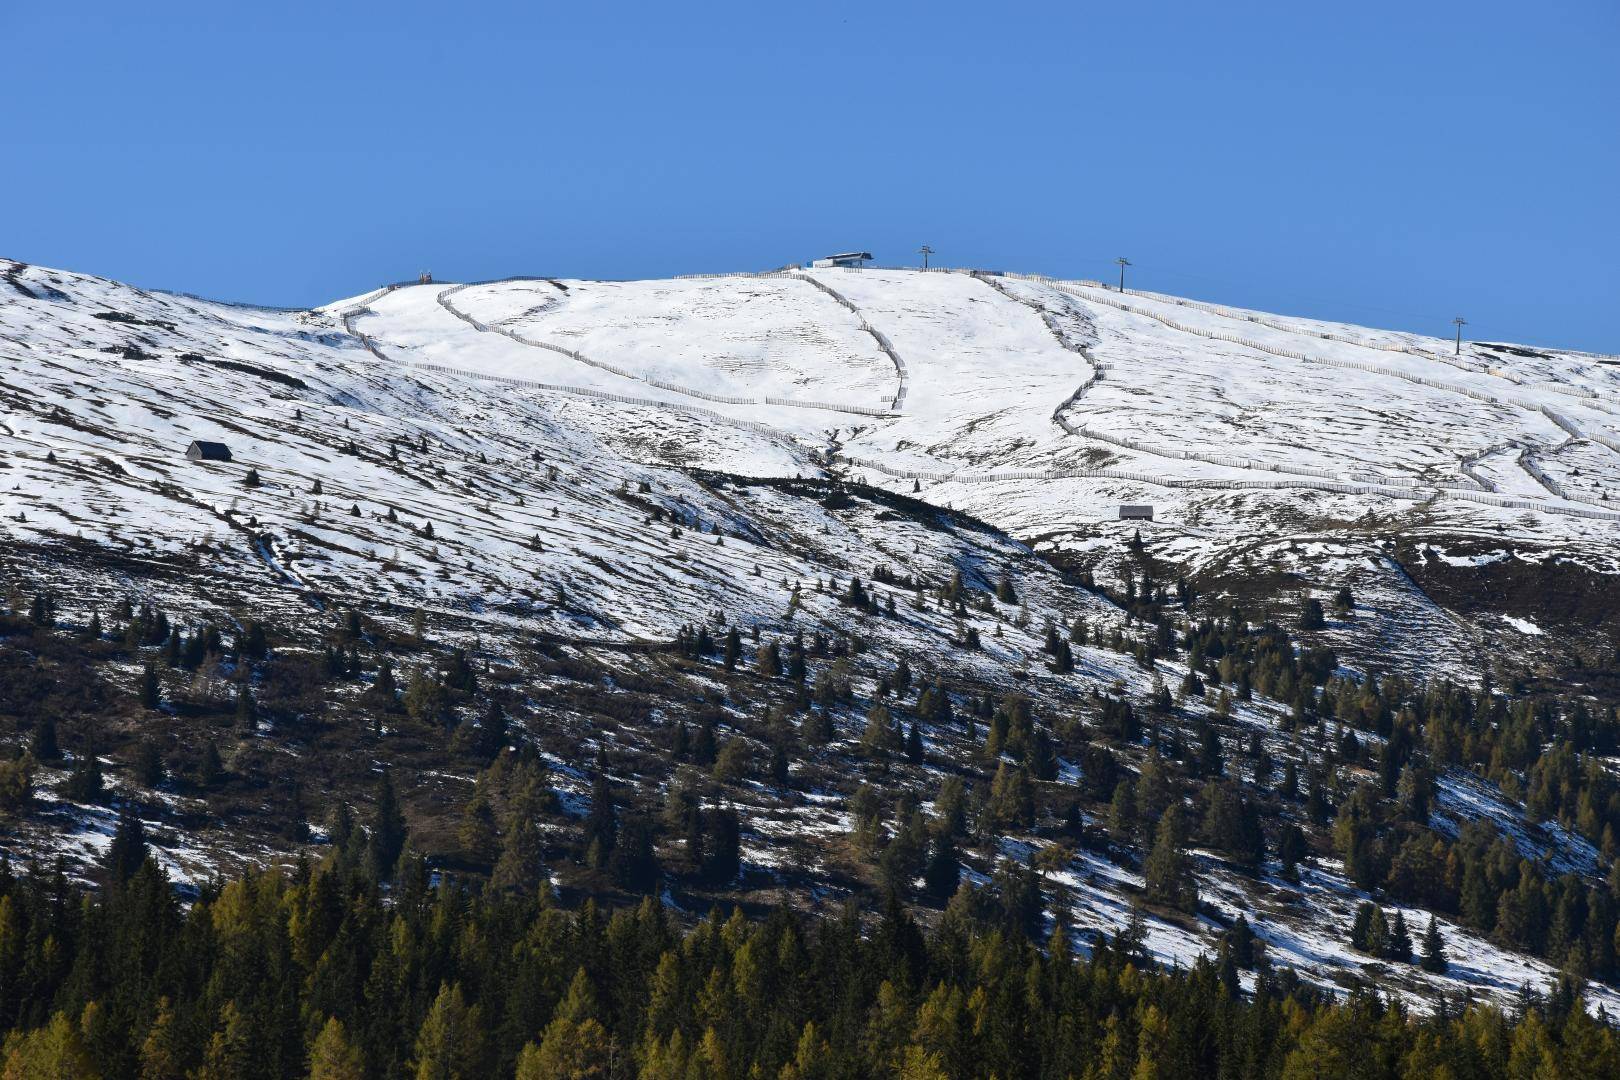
<point x="387" y="830"/>
<point x="209" y="766"/>
<point x="1167" y="873"/>
<point x="1362" y="927"/>
<point x="914" y="744"/>
<point x="1399" y="944"/>
<point x="479" y="840"/>
<point x="601" y="827"/>
<point x="520" y="868"/>
<point x="128" y="848"/>
<point x="1434" y="951"/>
<point x="1311" y="616"/>
<point x="1005" y="591"/>
<point x="151" y="695"/>
<point x="148" y="764"/>
<point x="43" y="745"/>
<point x="944" y="870"/>
<point x="247" y="713"/>
<point x="84" y="782"/>
<point x="492" y="731"/>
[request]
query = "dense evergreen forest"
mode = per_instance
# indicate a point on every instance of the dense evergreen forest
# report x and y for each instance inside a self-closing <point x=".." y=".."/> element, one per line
<point x="496" y="926"/>
<point x="326" y="972"/>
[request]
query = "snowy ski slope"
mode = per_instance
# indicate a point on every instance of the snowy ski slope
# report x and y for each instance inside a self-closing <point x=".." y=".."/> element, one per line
<point x="1034" y="404"/>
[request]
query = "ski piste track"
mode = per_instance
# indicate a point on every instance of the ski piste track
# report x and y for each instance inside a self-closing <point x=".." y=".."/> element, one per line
<point x="1473" y="488"/>
<point x="676" y="388"/>
<point x="1556" y="417"/>
<point x="1226" y="461"/>
<point x="877" y="335"/>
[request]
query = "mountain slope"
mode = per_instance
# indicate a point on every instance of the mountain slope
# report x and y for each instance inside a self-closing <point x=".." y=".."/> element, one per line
<point x="536" y="492"/>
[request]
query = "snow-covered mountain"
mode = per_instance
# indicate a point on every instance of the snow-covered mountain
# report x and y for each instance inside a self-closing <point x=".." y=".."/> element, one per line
<point x="1036" y="405"/>
<point x="597" y="464"/>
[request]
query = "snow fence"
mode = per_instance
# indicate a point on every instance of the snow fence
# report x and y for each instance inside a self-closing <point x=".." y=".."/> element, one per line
<point x="877" y="335"/>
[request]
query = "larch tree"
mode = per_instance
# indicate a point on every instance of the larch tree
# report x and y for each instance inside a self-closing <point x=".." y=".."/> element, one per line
<point x="449" y="1044"/>
<point x="333" y="1057"/>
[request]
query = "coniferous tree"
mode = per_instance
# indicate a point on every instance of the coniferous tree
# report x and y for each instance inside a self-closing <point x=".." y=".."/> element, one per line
<point x="477" y="835"/>
<point x="127" y="851"/>
<point x="160" y="1050"/>
<point x="914" y="744"/>
<point x="1167" y="873"/>
<point x="520" y="868"/>
<point x="1399" y="943"/>
<point x="1005" y="591"/>
<point x="944" y="870"/>
<point x="333" y="1057"/>
<point x="722" y="859"/>
<point x="1311" y="616"/>
<point x="1012" y="798"/>
<point x="450" y="1043"/>
<point x="42" y="611"/>
<point x="601" y="821"/>
<point x="881" y="736"/>
<point x="247" y="713"/>
<point x="1434" y="951"/>
<point x="55" y="1050"/>
<point x="633" y="864"/>
<point x="1240" y="943"/>
<point x="1122" y="817"/>
<point x="84" y="782"/>
<point x="426" y="699"/>
<point x="387" y="830"/>
<point x="44" y="745"/>
<point x="151" y="695"/>
<point x="492" y="731"/>
<point x="1291" y="849"/>
<point x="148" y="765"/>
<point x="230" y="1048"/>
<point x="209" y="767"/>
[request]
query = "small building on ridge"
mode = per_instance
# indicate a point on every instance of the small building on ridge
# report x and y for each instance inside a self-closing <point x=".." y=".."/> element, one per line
<point x="848" y="258"/>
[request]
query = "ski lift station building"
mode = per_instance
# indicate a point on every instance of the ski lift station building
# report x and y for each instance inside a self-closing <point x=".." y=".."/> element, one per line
<point x="848" y="258"/>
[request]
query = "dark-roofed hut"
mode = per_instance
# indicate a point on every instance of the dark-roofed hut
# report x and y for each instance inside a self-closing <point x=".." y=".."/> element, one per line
<point x="208" y="451"/>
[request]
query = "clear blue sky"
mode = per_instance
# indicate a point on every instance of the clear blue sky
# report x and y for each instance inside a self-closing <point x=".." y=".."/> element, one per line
<point x="1388" y="163"/>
